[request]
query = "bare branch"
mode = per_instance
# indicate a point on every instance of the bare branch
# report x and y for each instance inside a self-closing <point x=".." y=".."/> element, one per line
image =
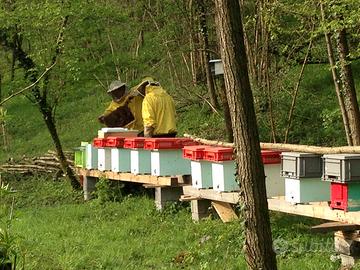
<point x="112" y="53"/>
<point x="99" y="81"/>
<point x="29" y="86"/>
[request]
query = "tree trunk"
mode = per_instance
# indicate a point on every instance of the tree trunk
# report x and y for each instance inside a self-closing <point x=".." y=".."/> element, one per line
<point x="295" y="94"/>
<point x="50" y="123"/>
<point x="205" y="39"/>
<point x="31" y="74"/>
<point x="259" y="253"/>
<point x="351" y="103"/>
<point x="336" y="81"/>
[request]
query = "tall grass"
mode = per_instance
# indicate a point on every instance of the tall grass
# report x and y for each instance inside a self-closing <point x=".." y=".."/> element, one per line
<point x="55" y="229"/>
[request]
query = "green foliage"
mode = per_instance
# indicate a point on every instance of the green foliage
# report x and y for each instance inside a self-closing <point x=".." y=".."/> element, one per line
<point x="108" y="191"/>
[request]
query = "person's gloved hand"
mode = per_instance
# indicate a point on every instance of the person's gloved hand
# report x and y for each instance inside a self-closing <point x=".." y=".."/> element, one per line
<point x="148" y="131"/>
<point x="101" y="119"/>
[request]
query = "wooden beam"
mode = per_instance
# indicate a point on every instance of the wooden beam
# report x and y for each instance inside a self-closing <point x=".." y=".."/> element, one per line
<point x="287" y="147"/>
<point x="335" y="226"/>
<point x="319" y="210"/>
<point x="225" y="211"/>
<point x="129" y="177"/>
<point x="210" y="194"/>
<point x="189" y="198"/>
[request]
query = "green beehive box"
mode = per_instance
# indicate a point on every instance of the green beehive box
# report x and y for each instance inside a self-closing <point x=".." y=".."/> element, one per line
<point x="306" y="190"/>
<point x="168" y="162"/>
<point x="80" y="155"/>
<point x="354" y="198"/>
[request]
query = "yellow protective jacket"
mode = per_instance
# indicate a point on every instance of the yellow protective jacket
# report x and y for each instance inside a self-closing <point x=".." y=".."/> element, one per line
<point x="158" y="110"/>
<point x="135" y="106"/>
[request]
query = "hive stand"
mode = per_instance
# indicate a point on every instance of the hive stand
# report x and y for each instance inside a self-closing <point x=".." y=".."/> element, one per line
<point x="166" y="195"/>
<point x="346" y="225"/>
<point x="346" y="241"/>
<point x="167" y="189"/>
<point x="88" y="186"/>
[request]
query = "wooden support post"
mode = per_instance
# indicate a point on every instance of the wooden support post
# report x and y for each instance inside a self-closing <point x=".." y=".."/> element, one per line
<point x="88" y="186"/>
<point x="164" y="195"/>
<point x="348" y="246"/>
<point x="200" y="209"/>
<point x="225" y="211"/>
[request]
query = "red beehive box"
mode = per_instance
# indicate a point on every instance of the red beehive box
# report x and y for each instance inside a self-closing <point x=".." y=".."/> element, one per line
<point x="99" y="142"/>
<point x="136" y="142"/>
<point x="218" y="153"/>
<point x="339" y="196"/>
<point x="114" y="142"/>
<point x="167" y="143"/>
<point x="194" y="152"/>
<point x="271" y="157"/>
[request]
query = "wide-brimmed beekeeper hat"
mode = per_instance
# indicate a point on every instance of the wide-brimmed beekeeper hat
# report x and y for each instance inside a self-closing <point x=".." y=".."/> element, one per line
<point x="114" y="85"/>
<point x="145" y="81"/>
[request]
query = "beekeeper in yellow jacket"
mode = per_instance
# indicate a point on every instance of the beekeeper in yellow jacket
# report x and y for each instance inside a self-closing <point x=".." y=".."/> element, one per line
<point x="120" y="98"/>
<point x="158" y="109"/>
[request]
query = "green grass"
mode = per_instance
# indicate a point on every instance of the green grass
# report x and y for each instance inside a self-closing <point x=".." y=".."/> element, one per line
<point x="55" y="229"/>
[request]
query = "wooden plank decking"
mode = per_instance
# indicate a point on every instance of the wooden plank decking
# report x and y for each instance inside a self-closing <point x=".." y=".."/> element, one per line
<point x="319" y="210"/>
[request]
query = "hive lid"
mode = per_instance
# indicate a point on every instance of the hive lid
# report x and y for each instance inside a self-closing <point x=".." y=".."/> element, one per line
<point x="194" y="152"/>
<point x="218" y="153"/>
<point x="99" y="142"/>
<point x="114" y="142"/>
<point x="299" y="154"/>
<point x="271" y="157"/>
<point x="117" y="129"/>
<point x="342" y="156"/>
<point x="134" y="142"/>
<point x="167" y="143"/>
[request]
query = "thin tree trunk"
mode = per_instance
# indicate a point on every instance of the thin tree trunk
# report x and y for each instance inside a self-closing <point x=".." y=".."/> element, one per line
<point x="2" y="118"/>
<point x="259" y="252"/>
<point x="205" y="39"/>
<point x="336" y="81"/>
<point x="296" y="91"/>
<point x="349" y="91"/>
<point x="40" y="97"/>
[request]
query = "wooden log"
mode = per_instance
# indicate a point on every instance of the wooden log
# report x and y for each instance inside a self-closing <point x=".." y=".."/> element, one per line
<point x="288" y="147"/>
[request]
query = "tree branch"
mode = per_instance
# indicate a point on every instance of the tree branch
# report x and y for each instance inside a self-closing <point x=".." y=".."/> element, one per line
<point x="29" y="86"/>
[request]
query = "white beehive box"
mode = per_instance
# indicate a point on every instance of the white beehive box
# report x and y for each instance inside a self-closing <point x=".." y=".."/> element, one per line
<point x="306" y="190"/>
<point x="120" y="160"/>
<point x="216" y="67"/>
<point x="91" y="157"/>
<point x="275" y="184"/>
<point x="201" y="174"/>
<point x="140" y="160"/>
<point x="169" y="162"/>
<point x="223" y="176"/>
<point x="119" y="132"/>
<point x="104" y="159"/>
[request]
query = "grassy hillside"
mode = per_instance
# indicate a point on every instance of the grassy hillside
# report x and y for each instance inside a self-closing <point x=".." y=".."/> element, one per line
<point x="317" y="118"/>
<point x="55" y="229"/>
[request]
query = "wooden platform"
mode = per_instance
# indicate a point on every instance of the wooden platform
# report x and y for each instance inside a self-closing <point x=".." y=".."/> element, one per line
<point x="154" y="181"/>
<point x="319" y="210"/>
